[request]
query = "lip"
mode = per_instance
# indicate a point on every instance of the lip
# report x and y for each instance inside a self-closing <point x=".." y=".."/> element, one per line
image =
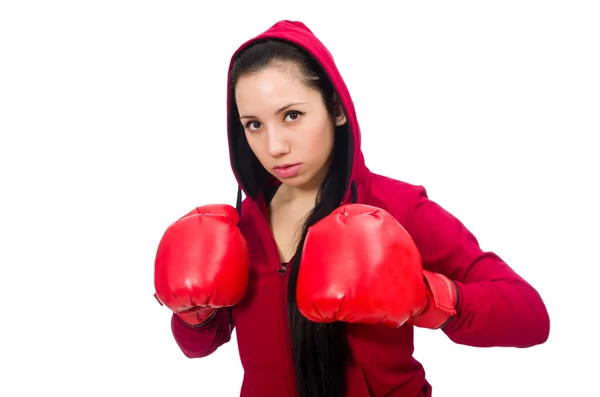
<point x="287" y="170"/>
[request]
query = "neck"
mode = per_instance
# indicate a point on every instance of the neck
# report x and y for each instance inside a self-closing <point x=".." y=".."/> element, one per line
<point x="297" y="194"/>
<point x="306" y="192"/>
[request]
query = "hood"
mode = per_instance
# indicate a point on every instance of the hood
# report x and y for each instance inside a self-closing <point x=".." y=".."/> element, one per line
<point x="251" y="179"/>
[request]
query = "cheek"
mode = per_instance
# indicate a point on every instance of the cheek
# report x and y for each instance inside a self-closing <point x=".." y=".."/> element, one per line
<point x="320" y="143"/>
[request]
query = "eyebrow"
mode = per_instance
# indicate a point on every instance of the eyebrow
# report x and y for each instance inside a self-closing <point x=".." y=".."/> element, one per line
<point x="278" y="110"/>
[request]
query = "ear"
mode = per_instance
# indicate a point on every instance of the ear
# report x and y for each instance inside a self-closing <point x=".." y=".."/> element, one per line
<point x="340" y="116"/>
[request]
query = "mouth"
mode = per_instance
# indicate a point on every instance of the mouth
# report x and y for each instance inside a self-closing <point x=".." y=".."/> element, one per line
<point x="285" y="166"/>
<point x="287" y="170"/>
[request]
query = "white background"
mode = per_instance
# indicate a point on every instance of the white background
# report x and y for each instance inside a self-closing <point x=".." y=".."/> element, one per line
<point x="112" y="122"/>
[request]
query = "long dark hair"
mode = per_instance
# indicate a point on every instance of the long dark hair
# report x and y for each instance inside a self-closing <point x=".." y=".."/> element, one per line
<point x="320" y="350"/>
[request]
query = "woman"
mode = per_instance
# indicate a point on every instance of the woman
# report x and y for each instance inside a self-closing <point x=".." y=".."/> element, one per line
<point x="327" y="310"/>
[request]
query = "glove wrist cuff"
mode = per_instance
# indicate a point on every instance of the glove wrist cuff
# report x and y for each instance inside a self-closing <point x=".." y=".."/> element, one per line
<point x="441" y="302"/>
<point x="197" y="319"/>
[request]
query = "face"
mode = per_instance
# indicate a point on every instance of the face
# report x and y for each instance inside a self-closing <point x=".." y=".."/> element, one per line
<point x="287" y="125"/>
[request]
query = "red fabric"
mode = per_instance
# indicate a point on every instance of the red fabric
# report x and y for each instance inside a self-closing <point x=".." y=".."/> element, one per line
<point x="496" y="307"/>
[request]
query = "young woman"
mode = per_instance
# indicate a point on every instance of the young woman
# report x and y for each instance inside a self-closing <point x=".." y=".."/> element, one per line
<point x="325" y="268"/>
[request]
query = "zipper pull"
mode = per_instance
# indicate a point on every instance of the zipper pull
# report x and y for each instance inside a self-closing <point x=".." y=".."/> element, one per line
<point x="283" y="269"/>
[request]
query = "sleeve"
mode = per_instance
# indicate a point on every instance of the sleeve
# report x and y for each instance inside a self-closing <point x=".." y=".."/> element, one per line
<point x="201" y="341"/>
<point x="495" y="306"/>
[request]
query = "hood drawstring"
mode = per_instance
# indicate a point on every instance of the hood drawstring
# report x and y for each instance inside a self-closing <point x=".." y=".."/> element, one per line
<point x="353" y="193"/>
<point x="238" y="204"/>
<point x="238" y="207"/>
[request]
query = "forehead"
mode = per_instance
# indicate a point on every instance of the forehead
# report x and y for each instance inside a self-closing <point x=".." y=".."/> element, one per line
<point x="272" y="87"/>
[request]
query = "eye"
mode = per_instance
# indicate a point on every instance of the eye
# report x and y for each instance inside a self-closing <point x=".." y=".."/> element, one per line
<point x="253" y="125"/>
<point x="293" y="115"/>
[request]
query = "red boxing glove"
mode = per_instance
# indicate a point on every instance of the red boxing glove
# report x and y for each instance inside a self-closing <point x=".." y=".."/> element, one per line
<point x="360" y="265"/>
<point x="441" y="302"/>
<point x="202" y="263"/>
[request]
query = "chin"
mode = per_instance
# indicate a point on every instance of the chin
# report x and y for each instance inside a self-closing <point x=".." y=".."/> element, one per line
<point x="301" y="182"/>
<point x="292" y="182"/>
<point x="296" y="181"/>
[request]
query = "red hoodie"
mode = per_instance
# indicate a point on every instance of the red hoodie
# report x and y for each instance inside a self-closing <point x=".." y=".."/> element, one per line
<point x="496" y="307"/>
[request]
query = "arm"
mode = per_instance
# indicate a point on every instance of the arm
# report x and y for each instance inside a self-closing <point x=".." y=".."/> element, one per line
<point x="494" y="305"/>
<point x="203" y="340"/>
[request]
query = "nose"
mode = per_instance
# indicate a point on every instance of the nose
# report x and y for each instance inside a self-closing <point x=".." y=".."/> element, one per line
<point x="278" y="142"/>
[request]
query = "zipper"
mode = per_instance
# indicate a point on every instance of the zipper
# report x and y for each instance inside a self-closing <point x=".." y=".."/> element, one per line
<point x="282" y="269"/>
<point x="284" y="321"/>
<point x="285" y="326"/>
